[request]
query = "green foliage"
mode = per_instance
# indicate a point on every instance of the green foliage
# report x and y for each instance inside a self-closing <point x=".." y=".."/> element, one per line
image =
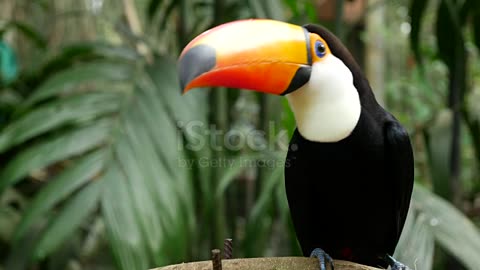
<point x="73" y="214"/>
<point x="417" y="9"/>
<point x="92" y="116"/>
<point x="451" y="168"/>
<point x="56" y="191"/>
<point x="432" y="218"/>
<point x="452" y="18"/>
<point x="27" y="30"/>
<point x="115" y="125"/>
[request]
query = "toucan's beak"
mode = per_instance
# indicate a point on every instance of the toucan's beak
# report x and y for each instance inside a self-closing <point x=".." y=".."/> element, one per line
<point x="261" y="55"/>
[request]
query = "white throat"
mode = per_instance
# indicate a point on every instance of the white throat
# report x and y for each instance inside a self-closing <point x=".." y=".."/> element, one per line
<point x="327" y="108"/>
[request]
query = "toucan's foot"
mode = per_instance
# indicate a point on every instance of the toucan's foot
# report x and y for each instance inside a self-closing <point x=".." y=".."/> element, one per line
<point x="323" y="258"/>
<point x="394" y="264"/>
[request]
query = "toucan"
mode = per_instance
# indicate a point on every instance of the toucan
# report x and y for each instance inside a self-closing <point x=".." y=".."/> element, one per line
<point x="349" y="168"/>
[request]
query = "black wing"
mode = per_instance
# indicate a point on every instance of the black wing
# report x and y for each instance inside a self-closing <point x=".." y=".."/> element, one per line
<point x="400" y="170"/>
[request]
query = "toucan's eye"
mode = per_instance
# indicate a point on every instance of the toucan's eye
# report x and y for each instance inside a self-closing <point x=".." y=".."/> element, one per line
<point x="320" y="48"/>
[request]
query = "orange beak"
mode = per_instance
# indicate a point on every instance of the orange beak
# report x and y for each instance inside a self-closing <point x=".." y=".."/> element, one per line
<point x="262" y="55"/>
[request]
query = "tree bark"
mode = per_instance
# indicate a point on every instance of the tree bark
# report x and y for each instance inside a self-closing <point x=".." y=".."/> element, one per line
<point x="277" y="263"/>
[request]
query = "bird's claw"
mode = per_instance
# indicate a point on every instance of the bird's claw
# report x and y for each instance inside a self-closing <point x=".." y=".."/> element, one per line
<point x="324" y="258"/>
<point x="395" y="265"/>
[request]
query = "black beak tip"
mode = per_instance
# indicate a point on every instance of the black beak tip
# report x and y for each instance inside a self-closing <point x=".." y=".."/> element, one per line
<point x="196" y="61"/>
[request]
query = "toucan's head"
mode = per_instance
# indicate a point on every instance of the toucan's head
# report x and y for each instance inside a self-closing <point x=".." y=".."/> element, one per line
<point x="284" y="59"/>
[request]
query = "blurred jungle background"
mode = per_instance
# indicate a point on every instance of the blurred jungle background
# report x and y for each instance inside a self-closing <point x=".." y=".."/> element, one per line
<point x="104" y="165"/>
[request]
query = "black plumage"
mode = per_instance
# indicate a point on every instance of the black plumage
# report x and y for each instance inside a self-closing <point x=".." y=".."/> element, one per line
<point x="351" y="197"/>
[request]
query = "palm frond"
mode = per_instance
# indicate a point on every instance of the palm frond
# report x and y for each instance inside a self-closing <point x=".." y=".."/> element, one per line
<point x="125" y="143"/>
<point x="432" y="219"/>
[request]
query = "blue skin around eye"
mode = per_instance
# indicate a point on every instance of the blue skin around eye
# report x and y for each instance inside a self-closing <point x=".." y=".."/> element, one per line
<point x="317" y="51"/>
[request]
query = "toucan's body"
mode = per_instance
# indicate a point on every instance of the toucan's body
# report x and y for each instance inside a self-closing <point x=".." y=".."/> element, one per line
<point x="340" y="202"/>
<point x="349" y="168"/>
<point x="351" y="197"/>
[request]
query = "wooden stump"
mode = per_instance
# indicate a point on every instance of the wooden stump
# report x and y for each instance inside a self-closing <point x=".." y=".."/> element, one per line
<point x="276" y="263"/>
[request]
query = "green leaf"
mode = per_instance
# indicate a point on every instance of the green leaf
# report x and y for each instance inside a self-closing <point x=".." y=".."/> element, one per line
<point x="10" y="99"/>
<point x="184" y="109"/>
<point x="140" y="186"/>
<point x="29" y="32"/>
<point x="147" y="202"/>
<point x="276" y="175"/>
<point x="152" y="8"/>
<point x="68" y="80"/>
<point x="157" y="194"/>
<point x="189" y="113"/>
<point x="257" y="9"/>
<point x="288" y="118"/>
<point x="476" y="29"/>
<point x="260" y="220"/>
<point x="449" y="33"/>
<point x="432" y="216"/>
<point x="71" y="110"/>
<point x="60" y="188"/>
<point x="80" y="51"/>
<point x="124" y="235"/>
<point x="309" y="11"/>
<point x="292" y="7"/>
<point x="71" y="216"/>
<point x="235" y="168"/>
<point x="469" y="7"/>
<point x="59" y="148"/>
<point x="416" y="246"/>
<point x="451" y="228"/>
<point x="275" y="9"/>
<point x="417" y="10"/>
<point x="154" y="111"/>
<point x="166" y="15"/>
<point x="9" y="214"/>
<point x="89" y="49"/>
<point x="438" y="150"/>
